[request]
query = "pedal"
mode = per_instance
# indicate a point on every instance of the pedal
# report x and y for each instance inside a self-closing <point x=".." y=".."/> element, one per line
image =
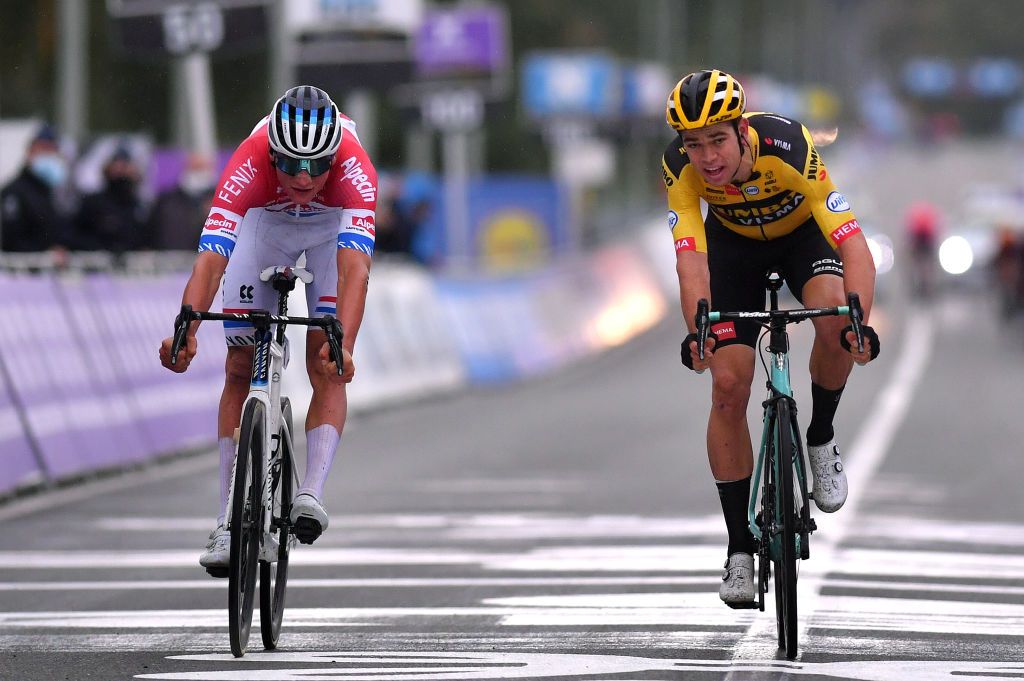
<point x="219" y="573"/>
<point x="743" y="606"/>
<point x="306" y="530"/>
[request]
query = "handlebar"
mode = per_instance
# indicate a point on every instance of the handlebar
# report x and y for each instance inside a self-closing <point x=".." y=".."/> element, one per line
<point x="704" y="318"/>
<point x="260" y="319"/>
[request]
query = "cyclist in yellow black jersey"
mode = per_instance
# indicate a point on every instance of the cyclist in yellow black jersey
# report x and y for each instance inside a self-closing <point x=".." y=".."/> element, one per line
<point x="771" y="204"/>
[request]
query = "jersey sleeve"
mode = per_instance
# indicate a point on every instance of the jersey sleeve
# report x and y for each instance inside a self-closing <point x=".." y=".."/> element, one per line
<point x="242" y="185"/>
<point x="829" y="207"/>
<point x="684" y="216"/>
<point x="353" y="187"/>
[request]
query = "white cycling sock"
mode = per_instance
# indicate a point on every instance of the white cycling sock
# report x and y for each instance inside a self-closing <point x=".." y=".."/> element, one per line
<point x="321" y="443"/>
<point x="227" y="460"/>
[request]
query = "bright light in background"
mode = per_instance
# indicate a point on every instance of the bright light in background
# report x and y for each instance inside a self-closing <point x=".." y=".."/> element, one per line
<point x="956" y="255"/>
<point x="881" y="252"/>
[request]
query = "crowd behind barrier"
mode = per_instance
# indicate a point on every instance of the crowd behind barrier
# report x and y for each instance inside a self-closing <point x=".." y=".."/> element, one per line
<point x="82" y="390"/>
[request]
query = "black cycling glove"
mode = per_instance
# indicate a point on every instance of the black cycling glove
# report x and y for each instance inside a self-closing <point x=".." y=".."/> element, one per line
<point x="684" y="353"/>
<point x="869" y="335"/>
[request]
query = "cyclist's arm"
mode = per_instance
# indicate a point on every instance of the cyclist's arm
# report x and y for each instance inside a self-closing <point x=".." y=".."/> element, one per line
<point x="688" y="235"/>
<point x="353" y="280"/>
<point x="858" y="270"/>
<point x="835" y="218"/>
<point x="203" y="284"/>
<point x="694" y="283"/>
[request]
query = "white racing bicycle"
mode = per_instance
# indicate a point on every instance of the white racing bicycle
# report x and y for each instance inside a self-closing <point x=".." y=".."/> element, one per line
<point x="263" y="477"/>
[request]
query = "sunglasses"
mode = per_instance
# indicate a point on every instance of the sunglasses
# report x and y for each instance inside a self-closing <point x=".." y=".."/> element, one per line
<point x="294" y="166"/>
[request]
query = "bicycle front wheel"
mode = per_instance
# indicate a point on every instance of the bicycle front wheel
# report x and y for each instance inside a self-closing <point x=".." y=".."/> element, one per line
<point x="274" y="575"/>
<point x="246" y="520"/>
<point x="785" y="563"/>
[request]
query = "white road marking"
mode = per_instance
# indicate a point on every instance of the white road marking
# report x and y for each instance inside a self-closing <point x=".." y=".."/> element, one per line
<point x="698" y="609"/>
<point x="475" y="582"/>
<point x="693" y="559"/>
<point x="384" y="583"/>
<point x="466" y="666"/>
<point x="500" y="527"/>
<point x="476" y="527"/>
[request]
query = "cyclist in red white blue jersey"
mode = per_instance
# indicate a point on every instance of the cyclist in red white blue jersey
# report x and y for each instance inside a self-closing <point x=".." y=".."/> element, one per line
<point x="301" y="183"/>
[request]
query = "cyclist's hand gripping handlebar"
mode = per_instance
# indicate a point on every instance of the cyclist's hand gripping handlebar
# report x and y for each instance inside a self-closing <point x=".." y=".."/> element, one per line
<point x="181" y="324"/>
<point x="332" y="328"/>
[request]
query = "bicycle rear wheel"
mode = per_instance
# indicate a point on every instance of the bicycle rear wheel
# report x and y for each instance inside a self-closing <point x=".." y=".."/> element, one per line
<point x="785" y="563"/>
<point x="246" y="517"/>
<point x="274" y="575"/>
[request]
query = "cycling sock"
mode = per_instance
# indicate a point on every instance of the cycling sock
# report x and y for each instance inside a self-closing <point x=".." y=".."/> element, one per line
<point x="823" y="409"/>
<point x="735" y="496"/>
<point x="321" y="443"/>
<point x="226" y="445"/>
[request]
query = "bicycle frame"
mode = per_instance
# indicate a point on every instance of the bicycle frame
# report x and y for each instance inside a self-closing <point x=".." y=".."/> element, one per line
<point x="269" y="362"/>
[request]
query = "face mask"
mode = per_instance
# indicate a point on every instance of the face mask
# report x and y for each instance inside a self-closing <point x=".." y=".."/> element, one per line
<point x="195" y="182"/>
<point x="121" y="185"/>
<point x="50" y="168"/>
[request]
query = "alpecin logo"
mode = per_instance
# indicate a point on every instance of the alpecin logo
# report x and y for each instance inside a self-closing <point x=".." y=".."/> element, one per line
<point x="218" y="221"/>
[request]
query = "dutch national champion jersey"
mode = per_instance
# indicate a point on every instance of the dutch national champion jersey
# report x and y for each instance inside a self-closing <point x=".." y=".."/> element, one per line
<point x="249" y="183"/>
<point x="788" y="185"/>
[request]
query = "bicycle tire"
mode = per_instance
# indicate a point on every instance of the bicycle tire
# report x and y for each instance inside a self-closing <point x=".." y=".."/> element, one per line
<point x="274" y="576"/>
<point x="769" y="523"/>
<point x="246" y="516"/>
<point x="785" y="569"/>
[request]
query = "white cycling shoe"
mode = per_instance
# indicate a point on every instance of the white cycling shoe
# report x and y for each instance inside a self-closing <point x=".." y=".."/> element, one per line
<point x="217" y="556"/>
<point x="830" y="486"/>
<point x="309" y="519"/>
<point x="737" y="589"/>
<point x="737" y="582"/>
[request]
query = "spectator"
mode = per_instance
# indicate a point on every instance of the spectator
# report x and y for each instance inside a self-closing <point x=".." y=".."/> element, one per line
<point x="397" y="226"/>
<point x="31" y="218"/>
<point x="113" y="218"/>
<point x="178" y="214"/>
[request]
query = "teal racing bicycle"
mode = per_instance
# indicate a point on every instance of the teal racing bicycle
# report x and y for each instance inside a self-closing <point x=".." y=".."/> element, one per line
<point x="779" y="510"/>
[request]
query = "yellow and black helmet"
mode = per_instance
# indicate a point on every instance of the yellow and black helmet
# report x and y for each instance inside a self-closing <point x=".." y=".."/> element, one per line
<point x="704" y="98"/>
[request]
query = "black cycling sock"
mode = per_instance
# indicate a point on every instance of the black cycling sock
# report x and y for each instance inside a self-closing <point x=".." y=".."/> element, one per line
<point x="823" y="409"/>
<point x="735" y="497"/>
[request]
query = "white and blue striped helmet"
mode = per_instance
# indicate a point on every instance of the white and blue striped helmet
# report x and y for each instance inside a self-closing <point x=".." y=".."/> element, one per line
<point x="304" y="124"/>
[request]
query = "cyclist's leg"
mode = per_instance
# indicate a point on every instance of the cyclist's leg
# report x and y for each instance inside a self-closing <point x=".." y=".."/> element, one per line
<point x="325" y="419"/>
<point x="328" y="408"/>
<point x="815" y="275"/>
<point x="737" y="283"/>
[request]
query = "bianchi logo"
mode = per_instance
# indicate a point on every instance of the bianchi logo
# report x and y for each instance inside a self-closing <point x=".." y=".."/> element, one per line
<point x="425" y="666"/>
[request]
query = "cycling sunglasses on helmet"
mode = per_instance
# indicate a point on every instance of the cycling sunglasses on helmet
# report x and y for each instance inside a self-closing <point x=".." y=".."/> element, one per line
<point x="294" y="166"/>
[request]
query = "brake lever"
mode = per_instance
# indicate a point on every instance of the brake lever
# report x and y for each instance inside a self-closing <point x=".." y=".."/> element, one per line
<point x="702" y="322"/>
<point x="181" y="323"/>
<point x="856" y="314"/>
<point x="335" y="334"/>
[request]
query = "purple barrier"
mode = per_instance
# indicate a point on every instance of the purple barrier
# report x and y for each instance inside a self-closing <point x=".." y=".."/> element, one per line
<point x="47" y="371"/>
<point x="18" y="464"/>
<point x="124" y="440"/>
<point x="175" y="411"/>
